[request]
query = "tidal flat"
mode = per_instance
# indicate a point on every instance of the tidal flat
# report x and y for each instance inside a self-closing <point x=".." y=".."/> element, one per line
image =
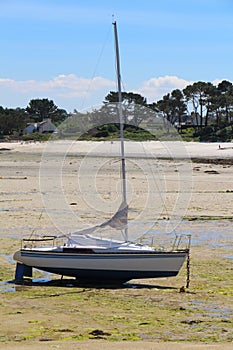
<point x="47" y="312"/>
<point x="146" y="310"/>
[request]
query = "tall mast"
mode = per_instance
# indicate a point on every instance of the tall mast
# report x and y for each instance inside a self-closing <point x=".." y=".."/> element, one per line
<point x="123" y="172"/>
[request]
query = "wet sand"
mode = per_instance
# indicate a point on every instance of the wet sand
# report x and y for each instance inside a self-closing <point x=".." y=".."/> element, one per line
<point x="148" y="314"/>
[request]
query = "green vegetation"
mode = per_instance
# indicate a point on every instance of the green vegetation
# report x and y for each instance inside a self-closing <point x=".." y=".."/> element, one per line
<point x="14" y="121"/>
<point x="112" y="132"/>
<point x="200" y="112"/>
<point x="35" y="136"/>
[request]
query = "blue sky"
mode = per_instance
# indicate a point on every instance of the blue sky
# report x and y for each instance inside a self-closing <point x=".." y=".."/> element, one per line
<point x="64" y="50"/>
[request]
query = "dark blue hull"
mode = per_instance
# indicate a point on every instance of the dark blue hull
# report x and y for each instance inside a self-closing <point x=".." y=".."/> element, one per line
<point x="106" y="275"/>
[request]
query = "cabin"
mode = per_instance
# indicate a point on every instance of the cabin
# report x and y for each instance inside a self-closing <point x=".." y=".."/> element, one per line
<point x="30" y="128"/>
<point x="46" y="126"/>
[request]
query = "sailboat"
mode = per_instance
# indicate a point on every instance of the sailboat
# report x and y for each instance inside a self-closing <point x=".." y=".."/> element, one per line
<point x="88" y="257"/>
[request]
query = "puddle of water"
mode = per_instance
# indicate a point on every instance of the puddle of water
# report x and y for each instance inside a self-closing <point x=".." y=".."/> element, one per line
<point x="9" y="258"/>
<point x="215" y="244"/>
<point x="10" y="287"/>
<point x="41" y="280"/>
<point x="210" y="311"/>
<point x="6" y="288"/>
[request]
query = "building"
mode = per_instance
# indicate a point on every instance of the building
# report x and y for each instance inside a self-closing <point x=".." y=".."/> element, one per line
<point x="46" y="126"/>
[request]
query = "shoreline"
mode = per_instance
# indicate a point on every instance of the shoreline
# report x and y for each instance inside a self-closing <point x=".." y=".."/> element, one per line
<point x="193" y="150"/>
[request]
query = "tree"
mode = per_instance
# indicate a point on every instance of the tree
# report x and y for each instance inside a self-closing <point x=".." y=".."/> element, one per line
<point x="199" y="95"/>
<point x="225" y="100"/>
<point x="173" y="107"/>
<point x="40" y="109"/>
<point x="178" y="105"/>
<point x="12" y="120"/>
<point x="164" y="106"/>
<point x="131" y="102"/>
<point x="211" y="99"/>
<point x="127" y="98"/>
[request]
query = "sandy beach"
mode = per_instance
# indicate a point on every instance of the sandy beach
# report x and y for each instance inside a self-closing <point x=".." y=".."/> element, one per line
<point x="71" y="176"/>
<point x="193" y="149"/>
<point x="191" y="196"/>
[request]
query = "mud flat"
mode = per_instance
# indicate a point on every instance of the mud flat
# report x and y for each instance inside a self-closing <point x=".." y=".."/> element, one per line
<point x="148" y="314"/>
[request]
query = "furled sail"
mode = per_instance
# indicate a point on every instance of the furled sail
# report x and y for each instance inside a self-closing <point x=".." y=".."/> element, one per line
<point x="118" y="221"/>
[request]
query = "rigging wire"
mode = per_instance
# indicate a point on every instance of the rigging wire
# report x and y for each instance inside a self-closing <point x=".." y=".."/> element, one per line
<point x="34" y="229"/>
<point x="96" y="66"/>
<point x="155" y="179"/>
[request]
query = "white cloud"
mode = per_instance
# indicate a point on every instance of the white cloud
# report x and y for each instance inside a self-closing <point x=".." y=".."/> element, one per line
<point x="62" y="85"/>
<point x="68" y="91"/>
<point x="217" y="81"/>
<point x="155" y="88"/>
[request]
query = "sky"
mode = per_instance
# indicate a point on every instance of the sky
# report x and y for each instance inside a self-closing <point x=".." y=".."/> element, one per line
<point x="63" y="50"/>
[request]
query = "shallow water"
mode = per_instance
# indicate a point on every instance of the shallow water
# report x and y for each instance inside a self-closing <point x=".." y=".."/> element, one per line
<point x="210" y="311"/>
<point x="10" y="286"/>
<point x="6" y="287"/>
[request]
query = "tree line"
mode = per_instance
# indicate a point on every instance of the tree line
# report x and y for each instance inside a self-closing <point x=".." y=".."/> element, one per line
<point x="202" y="109"/>
<point x="13" y="121"/>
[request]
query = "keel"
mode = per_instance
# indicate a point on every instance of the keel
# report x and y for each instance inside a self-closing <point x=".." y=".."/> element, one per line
<point x="21" y="271"/>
